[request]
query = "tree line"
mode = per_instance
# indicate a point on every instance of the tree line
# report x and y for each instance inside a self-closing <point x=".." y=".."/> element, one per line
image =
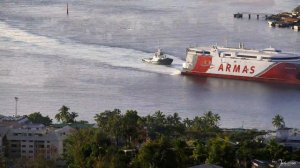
<point x="158" y="140"/>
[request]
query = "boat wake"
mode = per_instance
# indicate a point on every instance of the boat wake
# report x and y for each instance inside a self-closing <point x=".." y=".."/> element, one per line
<point x="32" y="44"/>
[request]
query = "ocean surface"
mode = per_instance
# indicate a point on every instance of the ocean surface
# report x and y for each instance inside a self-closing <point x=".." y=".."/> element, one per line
<point x="90" y="60"/>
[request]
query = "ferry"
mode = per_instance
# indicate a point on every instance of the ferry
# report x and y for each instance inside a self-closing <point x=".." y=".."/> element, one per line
<point x="269" y="64"/>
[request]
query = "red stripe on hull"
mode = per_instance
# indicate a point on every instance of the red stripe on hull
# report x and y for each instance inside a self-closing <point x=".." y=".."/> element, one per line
<point x="288" y="72"/>
<point x="203" y="63"/>
<point x="240" y="77"/>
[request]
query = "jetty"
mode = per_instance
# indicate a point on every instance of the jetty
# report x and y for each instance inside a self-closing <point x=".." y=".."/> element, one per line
<point x="251" y="14"/>
<point x="282" y="20"/>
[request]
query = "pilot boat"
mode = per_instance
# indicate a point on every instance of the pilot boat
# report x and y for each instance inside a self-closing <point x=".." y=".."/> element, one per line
<point x="159" y="58"/>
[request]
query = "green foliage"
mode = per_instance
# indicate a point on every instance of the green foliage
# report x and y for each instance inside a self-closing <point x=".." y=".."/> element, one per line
<point x="243" y="135"/>
<point x="207" y="123"/>
<point x="182" y="152"/>
<point x="131" y="123"/>
<point x="249" y="150"/>
<point x="166" y="145"/>
<point x="156" y="154"/>
<point x="114" y="158"/>
<point x="200" y="152"/>
<point x="2" y="161"/>
<point x="159" y="125"/>
<point x="278" y="121"/>
<point x="296" y="155"/>
<point x="111" y="122"/>
<point x="92" y="148"/>
<point x="221" y="152"/>
<point x="277" y="151"/>
<point x="37" y="162"/>
<point x="65" y="116"/>
<point x="37" y="117"/>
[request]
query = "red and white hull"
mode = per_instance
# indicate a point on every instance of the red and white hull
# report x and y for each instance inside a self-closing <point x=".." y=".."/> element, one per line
<point x="243" y="64"/>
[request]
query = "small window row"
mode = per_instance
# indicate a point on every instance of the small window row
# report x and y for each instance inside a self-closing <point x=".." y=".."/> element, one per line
<point x="203" y="52"/>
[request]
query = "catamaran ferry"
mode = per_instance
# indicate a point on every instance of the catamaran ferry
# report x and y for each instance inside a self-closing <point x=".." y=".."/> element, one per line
<point x="268" y="64"/>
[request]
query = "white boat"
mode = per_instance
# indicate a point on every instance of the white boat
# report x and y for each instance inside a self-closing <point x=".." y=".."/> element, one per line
<point x="159" y="58"/>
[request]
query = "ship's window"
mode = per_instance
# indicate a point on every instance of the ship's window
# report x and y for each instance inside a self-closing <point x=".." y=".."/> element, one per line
<point x="227" y="55"/>
<point x="203" y="52"/>
<point x="206" y="52"/>
<point x="246" y="56"/>
<point x="266" y="58"/>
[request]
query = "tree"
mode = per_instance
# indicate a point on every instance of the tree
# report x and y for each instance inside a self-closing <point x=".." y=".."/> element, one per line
<point x="247" y="151"/>
<point x="188" y="123"/>
<point x="37" y="117"/>
<point x="211" y="120"/>
<point x="111" y="122"/>
<point x="180" y="148"/>
<point x="155" y="124"/>
<point x="174" y="126"/>
<point x="206" y="123"/>
<point x="156" y="154"/>
<point x="200" y="153"/>
<point x="221" y="152"/>
<point x="65" y="116"/>
<point x="87" y="147"/>
<point x="277" y="151"/>
<point x="132" y="126"/>
<point x="278" y="121"/>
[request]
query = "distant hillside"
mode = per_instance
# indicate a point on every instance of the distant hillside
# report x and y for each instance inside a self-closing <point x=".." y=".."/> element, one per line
<point x="297" y="9"/>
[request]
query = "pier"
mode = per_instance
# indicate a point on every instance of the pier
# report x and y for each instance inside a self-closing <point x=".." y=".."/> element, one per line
<point x="250" y="14"/>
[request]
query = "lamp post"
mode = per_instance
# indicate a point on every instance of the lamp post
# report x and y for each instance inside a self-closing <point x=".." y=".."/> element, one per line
<point x="16" y="112"/>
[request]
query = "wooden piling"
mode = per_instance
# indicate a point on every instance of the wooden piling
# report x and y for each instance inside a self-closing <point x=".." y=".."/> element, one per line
<point x="258" y="15"/>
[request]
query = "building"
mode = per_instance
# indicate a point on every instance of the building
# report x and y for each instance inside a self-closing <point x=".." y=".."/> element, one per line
<point x="22" y="139"/>
<point x="289" y="137"/>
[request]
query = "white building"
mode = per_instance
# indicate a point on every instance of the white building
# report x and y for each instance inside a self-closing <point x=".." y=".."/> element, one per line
<point x="289" y="137"/>
<point x="23" y="139"/>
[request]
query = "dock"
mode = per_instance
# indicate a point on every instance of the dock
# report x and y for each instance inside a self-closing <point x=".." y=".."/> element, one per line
<point x="251" y="14"/>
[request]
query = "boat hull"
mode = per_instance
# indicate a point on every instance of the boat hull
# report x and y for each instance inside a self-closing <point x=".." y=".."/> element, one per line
<point x="261" y="79"/>
<point x="166" y="61"/>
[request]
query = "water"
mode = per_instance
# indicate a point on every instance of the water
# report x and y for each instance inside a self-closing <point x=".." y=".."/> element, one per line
<point x="91" y="59"/>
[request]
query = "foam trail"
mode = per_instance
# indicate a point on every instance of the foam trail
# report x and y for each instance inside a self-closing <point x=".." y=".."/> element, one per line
<point x="119" y="57"/>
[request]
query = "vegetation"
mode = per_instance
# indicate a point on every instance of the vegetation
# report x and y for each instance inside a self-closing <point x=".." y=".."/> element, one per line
<point x="159" y="140"/>
<point x="278" y="121"/>
<point x="37" y="117"/>
<point x="65" y="116"/>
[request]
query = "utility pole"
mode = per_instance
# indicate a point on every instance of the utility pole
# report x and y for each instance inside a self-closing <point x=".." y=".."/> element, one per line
<point x="16" y="112"/>
<point x="68" y="9"/>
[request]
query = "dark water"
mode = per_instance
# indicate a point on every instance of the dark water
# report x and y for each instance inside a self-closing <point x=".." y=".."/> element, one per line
<point x="91" y="59"/>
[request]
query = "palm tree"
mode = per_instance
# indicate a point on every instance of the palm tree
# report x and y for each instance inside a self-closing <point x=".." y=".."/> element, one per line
<point x="211" y="119"/>
<point x="278" y="121"/>
<point x="65" y="116"/>
<point x="188" y="123"/>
